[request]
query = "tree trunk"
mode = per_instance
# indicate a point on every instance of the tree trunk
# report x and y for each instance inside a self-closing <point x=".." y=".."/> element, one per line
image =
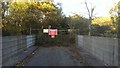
<point x="90" y="21"/>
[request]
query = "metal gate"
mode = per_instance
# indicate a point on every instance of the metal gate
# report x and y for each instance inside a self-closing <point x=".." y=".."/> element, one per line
<point x="64" y="38"/>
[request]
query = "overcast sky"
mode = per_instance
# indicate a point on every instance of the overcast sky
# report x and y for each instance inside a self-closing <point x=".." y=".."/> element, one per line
<point x="78" y="6"/>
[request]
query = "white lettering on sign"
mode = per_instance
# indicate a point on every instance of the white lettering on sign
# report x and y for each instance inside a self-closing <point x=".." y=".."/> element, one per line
<point x="53" y="31"/>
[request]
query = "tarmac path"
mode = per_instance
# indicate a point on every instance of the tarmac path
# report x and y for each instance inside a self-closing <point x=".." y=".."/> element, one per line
<point x="53" y="56"/>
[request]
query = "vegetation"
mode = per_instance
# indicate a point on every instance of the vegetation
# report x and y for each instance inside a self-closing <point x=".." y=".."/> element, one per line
<point x="104" y="26"/>
<point x="79" y="23"/>
<point x="62" y="39"/>
<point x="115" y="15"/>
<point x="23" y="18"/>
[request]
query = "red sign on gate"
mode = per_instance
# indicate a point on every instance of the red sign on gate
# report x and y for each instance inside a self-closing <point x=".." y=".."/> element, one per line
<point x="53" y="32"/>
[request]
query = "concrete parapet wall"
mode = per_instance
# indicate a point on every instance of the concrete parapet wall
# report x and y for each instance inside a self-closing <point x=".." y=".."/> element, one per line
<point x="103" y="48"/>
<point x="13" y="45"/>
<point x="0" y="50"/>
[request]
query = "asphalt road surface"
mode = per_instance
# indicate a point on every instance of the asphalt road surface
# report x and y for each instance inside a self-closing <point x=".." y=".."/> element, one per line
<point x="53" y="56"/>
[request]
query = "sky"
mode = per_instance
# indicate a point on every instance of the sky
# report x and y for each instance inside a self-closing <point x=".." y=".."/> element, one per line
<point x="102" y="7"/>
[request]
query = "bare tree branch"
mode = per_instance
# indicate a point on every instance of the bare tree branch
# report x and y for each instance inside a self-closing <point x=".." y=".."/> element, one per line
<point x="87" y="8"/>
<point x="90" y="13"/>
<point x="92" y="10"/>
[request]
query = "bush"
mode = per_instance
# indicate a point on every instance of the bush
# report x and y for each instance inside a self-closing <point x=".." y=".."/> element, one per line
<point x="62" y="39"/>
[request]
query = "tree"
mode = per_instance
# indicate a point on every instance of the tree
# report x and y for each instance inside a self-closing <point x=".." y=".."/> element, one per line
<point x="115" y="16"/>
<point x="106" y="25"/>
<point x="24" y="16"/>
<point x="118" y="19"/>
<point x="0" y="14"/>
<point x="78" y="22"/>
<point x="90" y="14"/>
<point x="5" y="6"/>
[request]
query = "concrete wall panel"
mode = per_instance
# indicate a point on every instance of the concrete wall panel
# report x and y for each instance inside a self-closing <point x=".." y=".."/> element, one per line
<point x="105" y="49"/>
<point x="12" y="45"/>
